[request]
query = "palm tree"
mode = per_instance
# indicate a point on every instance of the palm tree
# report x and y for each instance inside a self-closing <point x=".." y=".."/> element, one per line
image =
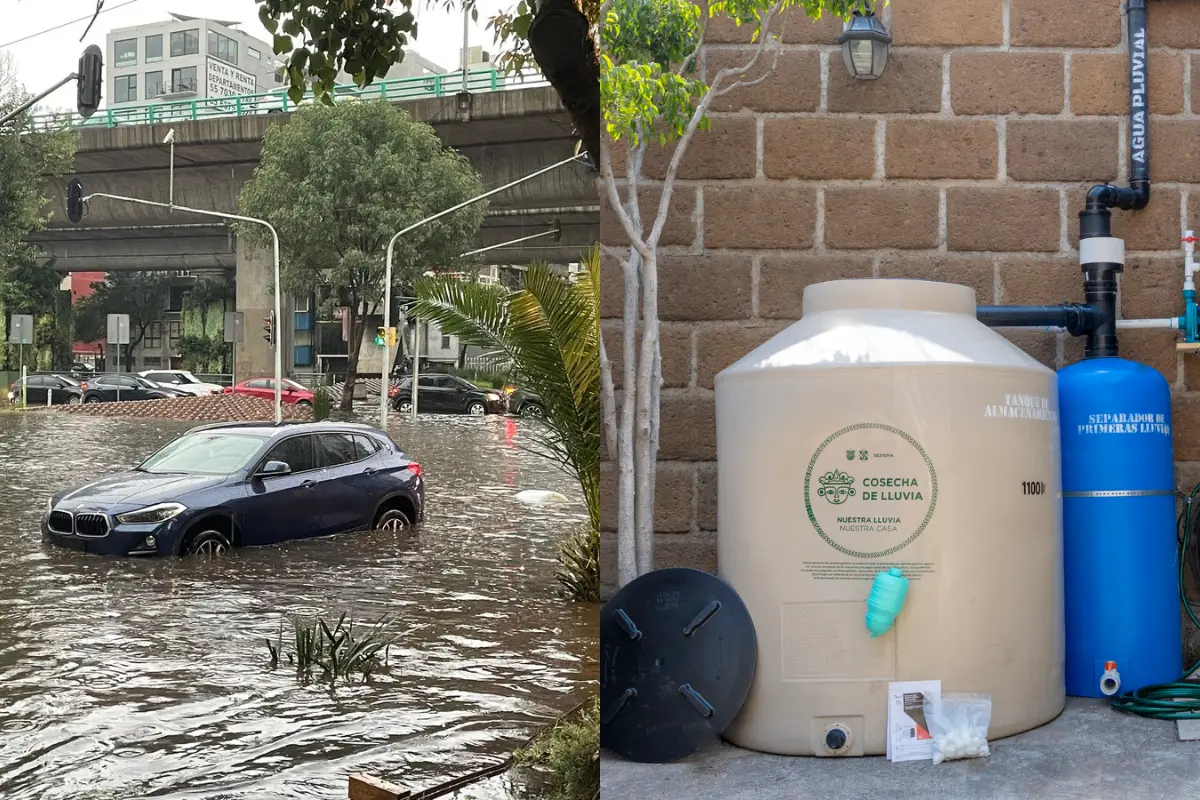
<point x="550" y="329"/>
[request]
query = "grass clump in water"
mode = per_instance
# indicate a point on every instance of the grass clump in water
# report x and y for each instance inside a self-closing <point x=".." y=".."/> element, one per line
<point x="579" y="564"/>
<point x="567" y="756"/>
<point x="322" y="405"/>
<point x="340" y="652"/>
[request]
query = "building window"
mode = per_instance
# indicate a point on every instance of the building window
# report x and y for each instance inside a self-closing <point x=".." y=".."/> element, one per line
<point x="125" y="52"/>
<point x="183" y="80"/>
<point x="445" y="342"/>
<point x="153" y="337"/>
<point x="257" y="56"/>
<point x="173" y="330"/>
<point x="300" y="303"/>
<point x="150" y="362"/>
<point x="222" y="47"/>
<point x="185" y="43"/>
<point x="154" y="85"/>
<point x="126" y="89"/>
<point x="154" y="48"/>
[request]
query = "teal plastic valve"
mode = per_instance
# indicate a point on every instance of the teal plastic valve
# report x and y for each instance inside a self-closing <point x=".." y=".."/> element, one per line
<point x="886" y="600"/>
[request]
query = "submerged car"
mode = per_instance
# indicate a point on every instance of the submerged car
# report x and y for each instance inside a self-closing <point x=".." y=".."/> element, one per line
<point x="290" y="392"/>
<point x="111" y="388"/>
<point x="243" y="484"/>
<point x="182" y="381"/>
<point x="446" y="394"/>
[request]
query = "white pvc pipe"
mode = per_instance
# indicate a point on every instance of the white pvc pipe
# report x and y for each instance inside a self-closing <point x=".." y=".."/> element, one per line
<point x="1169" y="322"/>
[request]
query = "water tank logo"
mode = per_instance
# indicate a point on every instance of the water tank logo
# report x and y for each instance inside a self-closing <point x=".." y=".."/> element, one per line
<point x="836" y="487"/>
<point x="884" y="505"/>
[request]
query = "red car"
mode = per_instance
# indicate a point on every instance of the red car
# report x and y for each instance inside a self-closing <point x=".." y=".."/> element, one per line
<point x="292" y="393"/>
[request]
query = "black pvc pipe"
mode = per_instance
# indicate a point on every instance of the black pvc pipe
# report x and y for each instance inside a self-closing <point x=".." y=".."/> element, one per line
<point x="1077" y="319"/>
<point x="1137" y="194"/>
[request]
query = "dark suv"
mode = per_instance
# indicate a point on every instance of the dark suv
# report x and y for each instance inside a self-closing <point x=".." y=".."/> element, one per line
<point x="526" y="403"/>
<point x="109" y="388"/>
<point x="447" y="394"/>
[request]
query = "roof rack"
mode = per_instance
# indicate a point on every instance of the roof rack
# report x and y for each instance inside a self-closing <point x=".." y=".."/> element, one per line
<point x="245" y="424"/>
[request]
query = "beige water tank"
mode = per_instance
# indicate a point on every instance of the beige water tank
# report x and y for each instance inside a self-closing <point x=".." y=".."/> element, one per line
<point x="888" y="427"/>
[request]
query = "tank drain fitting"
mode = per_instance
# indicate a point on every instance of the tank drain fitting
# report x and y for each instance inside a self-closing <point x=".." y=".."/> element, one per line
<point x="837" y="739"/>
<point x="885" y="600"/>
<point x="1110" y="682"/>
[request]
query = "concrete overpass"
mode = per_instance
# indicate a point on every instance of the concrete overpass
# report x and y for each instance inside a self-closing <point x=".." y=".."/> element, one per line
<point x="506" y="135"/>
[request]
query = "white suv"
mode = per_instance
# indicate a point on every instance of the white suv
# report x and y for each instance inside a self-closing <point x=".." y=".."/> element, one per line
<point x="181" y="380"/>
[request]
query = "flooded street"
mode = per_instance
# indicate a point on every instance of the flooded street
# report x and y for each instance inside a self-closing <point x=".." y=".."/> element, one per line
<point x="128" y="678"/>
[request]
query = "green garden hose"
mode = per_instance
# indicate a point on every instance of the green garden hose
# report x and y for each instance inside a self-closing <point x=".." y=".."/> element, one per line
<point x="1181" y="699"/>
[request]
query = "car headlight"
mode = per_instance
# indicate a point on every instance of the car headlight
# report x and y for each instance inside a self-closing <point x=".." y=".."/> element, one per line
<point x="157" y="513"/>
<point x="493" y="396"/>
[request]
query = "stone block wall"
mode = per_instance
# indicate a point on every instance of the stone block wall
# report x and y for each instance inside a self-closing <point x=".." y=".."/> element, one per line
<point x="966" y="162"/>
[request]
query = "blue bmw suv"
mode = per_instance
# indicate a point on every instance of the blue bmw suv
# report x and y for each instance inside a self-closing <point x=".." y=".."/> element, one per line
<point x="241" y="485"/>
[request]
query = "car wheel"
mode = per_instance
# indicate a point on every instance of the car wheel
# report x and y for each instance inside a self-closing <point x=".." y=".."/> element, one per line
<point x="476" y="409"/>
<point x="74" y="400"/>
<point x="533" y="411"/>
<point x="404" y="406"/>
<point x="393" y="521"/>
<point x="304" y="404"/>
<point x="209" y="544"/>
<point x="92" y="399"/>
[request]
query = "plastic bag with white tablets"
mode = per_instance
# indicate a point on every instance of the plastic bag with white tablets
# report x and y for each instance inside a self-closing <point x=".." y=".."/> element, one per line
<point x="959" y="725"/>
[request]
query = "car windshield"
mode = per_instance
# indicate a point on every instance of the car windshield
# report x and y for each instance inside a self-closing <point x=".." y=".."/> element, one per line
<point x="65" y="379"/>
<point x="207" y="453"/>
<point x="186" y="377"/>
<point x="146" y="383"/>
<point x="290" y="384"/>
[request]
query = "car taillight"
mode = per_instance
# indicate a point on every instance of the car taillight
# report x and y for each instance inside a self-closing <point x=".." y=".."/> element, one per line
<point x="83" y="386"/>
<point x="415" y="469"/>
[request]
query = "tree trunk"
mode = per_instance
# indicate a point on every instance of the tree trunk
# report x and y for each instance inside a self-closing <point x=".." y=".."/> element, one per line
<point x="644" y="433"/>
<point x="627" y="477"/>
<point x="561" y="42"/>
<point x="354" y="337"/>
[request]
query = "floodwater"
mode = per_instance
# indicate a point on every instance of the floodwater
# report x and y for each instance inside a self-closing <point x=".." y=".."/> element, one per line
<point x="128" y="678"/>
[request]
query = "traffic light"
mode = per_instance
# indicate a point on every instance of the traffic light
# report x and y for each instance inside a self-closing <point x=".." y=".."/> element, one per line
<point x="74" y="200"/>
<point x="269" y="329"/>
<point x="392" y="338"/>
<point x="381" y="336"/>
<point x="89" y="81"/>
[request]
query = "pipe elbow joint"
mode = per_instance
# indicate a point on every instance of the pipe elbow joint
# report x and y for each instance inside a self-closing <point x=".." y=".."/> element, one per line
<point x="1101" y="196"/>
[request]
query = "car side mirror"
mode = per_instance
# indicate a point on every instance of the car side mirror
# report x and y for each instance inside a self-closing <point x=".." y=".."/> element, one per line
<point x="275" y="468"/>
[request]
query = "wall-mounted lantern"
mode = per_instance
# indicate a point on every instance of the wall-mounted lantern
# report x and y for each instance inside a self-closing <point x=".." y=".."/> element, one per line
<point x="865" y="44"/>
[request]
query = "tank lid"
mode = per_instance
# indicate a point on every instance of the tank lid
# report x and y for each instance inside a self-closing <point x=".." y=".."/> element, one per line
<point x="894" y="293"/>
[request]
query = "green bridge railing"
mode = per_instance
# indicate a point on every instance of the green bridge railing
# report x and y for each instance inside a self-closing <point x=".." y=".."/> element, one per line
<point x="277" y="101"/>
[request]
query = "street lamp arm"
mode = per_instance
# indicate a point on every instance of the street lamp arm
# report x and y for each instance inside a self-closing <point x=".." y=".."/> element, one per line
<point x="275" y="249"/>
<point x="28" y="103"/>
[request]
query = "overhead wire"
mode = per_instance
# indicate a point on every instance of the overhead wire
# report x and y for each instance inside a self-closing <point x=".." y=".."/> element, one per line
<point x="90" y="18"/>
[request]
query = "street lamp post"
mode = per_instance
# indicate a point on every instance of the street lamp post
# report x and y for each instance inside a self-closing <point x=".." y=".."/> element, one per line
<point x="275" y="248"/>
<point x="387" y="278"/>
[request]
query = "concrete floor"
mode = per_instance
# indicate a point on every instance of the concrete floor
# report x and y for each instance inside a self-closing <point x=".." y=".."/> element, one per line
<point x="1089" y="753"/>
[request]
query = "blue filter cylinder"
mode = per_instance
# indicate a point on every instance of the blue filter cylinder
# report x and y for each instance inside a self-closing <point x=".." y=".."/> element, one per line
<point x="1119" y="540"/>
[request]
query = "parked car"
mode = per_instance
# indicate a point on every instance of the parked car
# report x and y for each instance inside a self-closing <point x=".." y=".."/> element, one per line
<point x="52" y="389"/>
<point x="111" y="388"/>
<point x="446" y="394"/>
<point x="290" y="392"/>
<point x="526" y="403"/>
<point x="243" y="484"/>
<point x="181" y="380"/>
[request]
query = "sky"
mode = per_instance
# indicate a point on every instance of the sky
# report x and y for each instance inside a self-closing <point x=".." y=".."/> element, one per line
<point x="43" y="60"/>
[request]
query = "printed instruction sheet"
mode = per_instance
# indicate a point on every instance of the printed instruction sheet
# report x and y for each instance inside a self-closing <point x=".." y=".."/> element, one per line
<point x="908" y="733"/>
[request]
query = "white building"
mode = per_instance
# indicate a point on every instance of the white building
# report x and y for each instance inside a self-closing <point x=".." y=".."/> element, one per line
<point x="186" y="58"/>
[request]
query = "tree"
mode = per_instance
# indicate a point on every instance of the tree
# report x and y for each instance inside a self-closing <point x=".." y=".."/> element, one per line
<point x="337" y="182"/>
<point x="28" y="285"/>
<point x="142" y="295"/>
<point x="550" y="330"/>
<point x="365" y="37"/>
<point x="649" y="92"/>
